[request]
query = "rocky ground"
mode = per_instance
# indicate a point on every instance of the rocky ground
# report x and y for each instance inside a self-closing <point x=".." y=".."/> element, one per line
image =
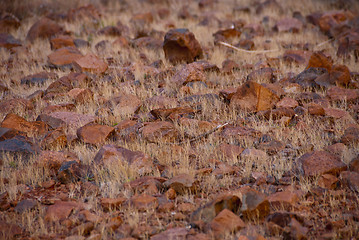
<point x="163" y="119"/>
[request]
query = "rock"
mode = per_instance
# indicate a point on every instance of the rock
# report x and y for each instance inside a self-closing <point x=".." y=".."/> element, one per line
<point x="338" y="149"/>
<point x="181" y="183"/>
<point x="160" y="102"/>
<point x="180" y="45"/>
<point x="18" y="145"/>
<point x="144" y="202"/>
<point x="320" y="162"/>
<point x="316" y="109"/>
<point x="90" y="63"/>
<point x="10" y="230"/>
<point x="15" y="105"/>
<point x="252" y="96"/>
<point x="226" y="222"/>
<point x="84" y="12"/>
<point x="229" y="66"/>
<point x="125" y="104"/>
<point x="112" y="155"/>
<point x="319" y="60"/>
<point x="285" y="199"/>
<point x="176" y="233"/>
<point x="288" y="25"/>
<point x="327" y="181"/>
<point x="9" y="22"/>
<point x="53" y="160"/>
<point x="340" y="75"/>
<point x="8" y="133"/>
<point x="254" y="204"/>
<point x="61" y="210"/>
<point x="196" y="127"/>
<point x="20" y="124"/>
<point x="8" y="41"/>
<point x="43" y="28"/>
<point x="230" y="151"/>
<point x="354" y="164"/>
<point x="340" y="94"/>
<point x="351" y="179"/>
<point x="338" y="114"/>
<point x="55" y="139"/>
<point x="330" y="19"/>
<point x="64" y="57"/>
<point x="161" y="131"/>
<point x="296" y="56"/>
<point x="189" y="73"/>
<point x="70" y="171"/>
<point x="25" y="205"/>
<point x="147" y="42"/>
<point x="58" y="88"/>
<point x="278" y="113"/>
<point x="350" y="136"/>
<point x="93" y="133"/>
<point x="81" y="95"/>
<point x="226" y="35"/>
<point x="287" y="102"/>
<point x="271" y="147"/>
<point x="172" y="113"/>
<point x="253" y="153"/>
<point x="38" y="78"/>
<point x="113" y="31"/>
<point x="62" y="41"/>
<point x="308" y="77"/>
<point x="262" y="75"/>
<point x="111" y="203"/>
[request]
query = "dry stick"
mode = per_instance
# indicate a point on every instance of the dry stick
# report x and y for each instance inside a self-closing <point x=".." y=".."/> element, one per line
<point x="246" y="51"/>
<point x="207" y="133"/>
<point x="322" y="43"/>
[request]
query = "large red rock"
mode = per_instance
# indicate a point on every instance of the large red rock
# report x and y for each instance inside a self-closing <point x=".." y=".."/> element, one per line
<point x="18" y="123"/>
<point x="81" y="95"/>
<point x="252" y="97"/>
<point x="62" y="41"/>
<point x="159" y="132"/>
<point x="125" y="104"/>
<point x="61" y="210"/>
<point x="226" y="222"/>
<point x="15" y="105"/>
<point x="90" y="63"/>
<point x="180" y="45"/>
<point x="171" y="233"/>
<point x="285" y="199"/>
<point x="319" y="60"/>
<point x="350" y="136"/>
<point x="43" y="28"/>
<point x="181" y="183"/>
<point x="340" y="94"/>
<point x="351" y="179"/>
<point x="189" y="73"/>
<point x="330" y="19"/>
<point x="93" y="133"/>
<point x="254" y="204"/>
<point x="144" y="202"/>
<point x="320" y="162"/>
<point x="64" y="56"/>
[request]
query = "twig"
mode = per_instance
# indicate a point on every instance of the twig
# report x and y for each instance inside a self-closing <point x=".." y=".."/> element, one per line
<point x="323" y="43"/>
<point x="246" y="51"/>
<point x="207" y="133"/>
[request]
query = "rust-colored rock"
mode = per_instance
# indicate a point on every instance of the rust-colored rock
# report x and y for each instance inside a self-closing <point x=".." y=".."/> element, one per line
<point x="181" y="183"/>
<point x="61" y="41"/>
<point x="111" y="203"/>
<point x="43" y="28"/>
<point x="93" y="133"/>
<point x="171" y="233"/>
<point x="328" y="181"/>
<point x="18" y="123"/>
<point x="254" y="204"/>
<point x="350" y="136"/>
<point x="81" y="95"/>
<point x="319" y="60"/>
<point x="339" y="94"/>
<point x="351" y="179"/>
<point x="90" y="63"/>
<point x="160" y="131"/>
<point x="180" y="45"/>
<point x="64" y="56"/>
<point x="60" y="211"/>
<point x="226" y="222"/>
<point x="144" y="202"/>
<point x="287" y="102"/>
<point x="125" y="104"/>
<point x="189" y="73"/>
<point x="285" y="199"/>
<point x="8" y="41"/>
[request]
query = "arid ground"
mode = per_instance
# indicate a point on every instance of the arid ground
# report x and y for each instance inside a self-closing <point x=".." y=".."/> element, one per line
<point x="164" y="119"/>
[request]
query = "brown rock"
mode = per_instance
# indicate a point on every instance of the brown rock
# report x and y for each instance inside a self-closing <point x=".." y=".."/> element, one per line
<point x="55" y="139"/>
<point x="354" y="164"/>
<point x="319" y="60"/>
<point x="159" y="132"/>
<point x="71" y="172"/>
<point x="287" y="102"/>
<point x="38" y="78"/>
<point x="84" y="12"/>
<point x="113" y="31"/>
<point x="9" y="22"/>
<point x="331" y="19"/>
<point x="288" y="25"/>
<point x="93" y="133"/>
<point x="252" y="96"/>
<point x="189" y="73"/>
<point x="230" y="151"/>
<point x="226" y="222"/>
<point x="90" y="63"/>
<point x="53" y="160"/>
<point x="180" y="45"/>
<point x="320" y="162"/>
<point x="338" y="149"/>
<point x="339" y="94"/>
<point x="126" y="104"/>
<point x="43" y="28"/>
<point x="172" y="113"/>
<point x="327" y="181"/>
<point x="160" y="102"/>
<point x="144" y="202"/>
<point x="61" y="41"/>
<point x="91" y="217"/>
<point x="340" y="75"/>
<point x="350" y="136"/>
<point x="351" y="179"/>
<point x="254" y="204"/>
<point x="15" y="105"/>
<point x="61" y="210"/>
<point x="58" y="88"/>
<point x="25" y="205"/>
<point x="297" y="231"/>
<point x="315" y="109"/>
<point x="64" y="56"/>
<point x="228" y="66"/>
<point x="296" y="56"/>
<point x="226" y="35"/>
<point x="18" y="123"/>
<point x="278" y="113"/>
<point x="265" y="74"/>
<point x="177" y="233"/>
<point x="81" y="95"/>
<point x="337" y="113"/>
<point x="285" y="199"/>
<point x="9" y="230"/>
<point x="181" y="183"/>
<point x="111" y="203"/>
<point x="8" y="41"/>
<point x="111" y="154"/>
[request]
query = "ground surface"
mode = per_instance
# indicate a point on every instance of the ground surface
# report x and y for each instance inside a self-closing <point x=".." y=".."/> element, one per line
<point x="117" y="122"/>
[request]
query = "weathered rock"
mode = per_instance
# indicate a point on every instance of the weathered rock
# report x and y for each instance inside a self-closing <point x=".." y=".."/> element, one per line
<point x="181" y="183"/>
<point x="9" y="230"/>
<point x="62" y="41"/>
<point x="9" y="22"/>
<point x="320" y="162"/>
<point x="354" y="164"/>
<point x="271" y="147"/>
<point x="254" y="204"/>
<point x="230" y="151"/>
<point x="316" y="109"/>
<point x="18" y="146"/>
<point x="297" y="231"/>
<point x="18" y="123"/>
<point x="252" y="96"/>
<point x="180" y="45"/>
<point x="308" y="77"/>
<point x="38" y="78"/>
<point x="159" y="132"/>
<point x="81" y="95"/>
<point x="64" y="57"/>
<point x="144" y="202"/>
<point x="8" y="41"/>
<point x="61" y="210"/>
<point x="58" y="88"/>
<point x="125" y="104"/>
<point x="319" y="60"/>
<point x="226" y="222"/>
<point x="296" y="56"/>
<point x="288" y="25"/>
<point x="70" y="171"/>
<point x="95" y="133"/>
<point x="177" y="233"/>
<point x="111" y="203"/>
<point x="287" y="102"/>
<point x="351" y="179"/>
<point x="43" y="28"/>
<point x="278" y="113"/>
<point x="285" y="199"/>
<point x="189" y="73"/>
<point x="90" y="63"/>
<point x="15" y="105"/>
<point x="84" y="12"/>
<point x="330" y="19"/>
<point x="55" y="139"/>
<point x="226" y="35"/>
<point x="265" y="74"/>
<point x="113" y="155"/>
<point x="340" y="75"/>
<point x="339" y="94"/>
<point x="8" y="133"/>
<point x="350" y="136"/>
<point x="25" y="205"/>
<point x="53" y="160"/>
<point x="172" y="113"/>
<point x="327" y="181"/>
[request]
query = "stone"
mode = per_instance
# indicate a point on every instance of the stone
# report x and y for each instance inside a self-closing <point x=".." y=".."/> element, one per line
<point x="230" y="151"/>
<point x="316" y="109"/>
<point x="18" y="146"/>
<point x="43" y="28"/>
<point x="61" y="41"/>
<point x="8" y="133"/>
<point x="114" y="155"/>
<point x="285" y="199"/>
<point x="252" y="97"/>
<point x="63" y="57"/>
<point x="125" y="104"/>
<point x="70" y="172"/>
<point x="228" y="66"/>
<point x="90" y="63"/>
<point x="84" y="12"/>
<point x="58" y="88"/>
<point x="113" y="31"/>
<point x="354" y="164"/>
<point x="25" y="205"/>
<point x="15" y="105"/>
<point x="53" y="160"/>
<point x="111" y="203"/>
<point x="328" y="181"/>
<point x="196" y="127"/>
<point x="176" y="233"/>
<point x="254" y="204"/>
<point x="226" y="222"/>
<point x="319" y="60"/>
<point x="172" y="113"/>
<point x="296" y="56"/>
<point x="287" y="102"/>
<point x="320" y="162"/>
<point x="9" y="22"/>
<point x="144" y="202"/>
<point x="93" y="133"/>
<point x="180" y="45"/>
<point x="8" y="41"/>
<point x="272" y="147"/>
<point x="297" y="231"/>
<point x="181" y="183"/>
<point x="330" y="19"/>
<point x="265" y="74"/>
<point x="338" y="149"/>
<point x="278" y="113"/>
<point x="156" y="102"/>
<point x="61" y="210"/>
<point x="188" y="73"/>
<point x="288" y="25"/>
<point x="351" y="179"/>
<point x="81" y="95"/>
<point x="350" y="136"/>
<point x="147" y="42"/>
<point x="55" y="139"/>
<point x="340" y="94"/>
<point x="18" y="123"/>
<point x="253" y="153"/>
<point x="10" y="230"/>
<point x="161" y="131"/>
<point x="38" y="78"/>
<point x="340" y="75"/>
<point x="226" y="35"/>
<point x="308" y="77"/>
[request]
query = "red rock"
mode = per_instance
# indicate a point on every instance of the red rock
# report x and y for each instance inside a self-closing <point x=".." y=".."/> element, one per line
<point x="265" y="74"/>
<point x="38" y="78"/>
<point x="111" y="154"/>
<point x="91" y="217"/>
<point x="226" y="34"/>
<point x="180" y="45"/>
<point x="330" y="19"/>
<point x="90" y="63"/>
<point x="340" y="75"/>
<point x="319" y="60"/>
<point x="230" y="151"/>
<point x="61" y="41"/>
<point x="296" y="56"/>
<point x="252" y="96"/>
<point x="172" y="113"/>
<point x="354" y="164"/>
<point x="144" y="202"/>
<point x="81" y="95"/>
<point x="351" y="179"/>
<point x="228" y="66"/>
<point x="113" y="31"/>
<point x="285" y="199"/>
<point x="61" y="210"/>
<point x="320" y="162"/>
<point x="339" y="94"/>
<point x="55" y="139"/>
<point x="71" y="172"/>
<point x="350" y="136"/>
<point x="111" y="203"/>
<point x="196" y="127"/>
<point x="53" y="160"/>
<point x="278" y="113"/>
<point x="288" y="25"/>
<point x="316" y="109"/>
<point x="338" y="149"/>
<point x="84" y="12"/>
<point x="254" y="204"/>
<point x="43" y="28"/>
<point x="181" y="183"/>
<point x="228" y="93"/>
<point x="297" y="231"/>
<point x="287" y="102"/>
<point x="327" y="181"/>
<point x="64" y="56"/>
<point x="15" y="105"/>
<point x="18" y="123"/>
<point x="337" y="113"/>
<point x="147" y="42"/>
<point x="171" y="194"/>
<point x="226" y="222"/>
<point x="58" y="88"/>
<point x="126" y="104"/>
<point x="93" y="133"/>
<point x="159" y="132"/>
<point x="188" y="73"/>
<point x="177" y="233"/>
<point x="8" y="41"/>
<point x="9" y="230"/>
<point x="9" y="22"/>
<point x="271" y="147"/>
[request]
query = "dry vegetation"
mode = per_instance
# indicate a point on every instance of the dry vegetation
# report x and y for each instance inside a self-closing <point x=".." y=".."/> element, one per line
<point x="186" y="162"/>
